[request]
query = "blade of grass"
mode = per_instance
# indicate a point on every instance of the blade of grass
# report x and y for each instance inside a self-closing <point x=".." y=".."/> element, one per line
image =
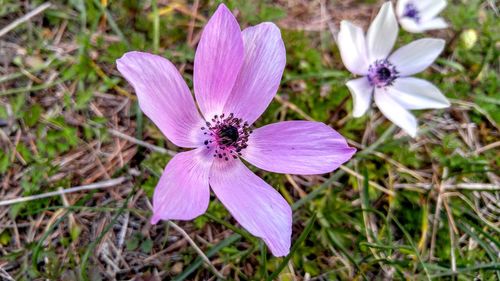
<point x="468" y="229"/>
<point x="240" y="231"/>
<point x="263" y="260"/>
<point x="93" y="244"/>
<point x="424" y="226"/>
<point x="51" y="62"/>
<point x="199" y="261"/>
<point x="83" y="14"/>
<point x="39" y="245"/>
<point x="365" y="203"/>
<point x="379" y="246"/>
<point x="112" y="23"/>
<point x="408" y="237"/>
<point x="297" y="244"/>
<point x="156" y="27"/>
<point x="24" y="18"/>
<point x="474" y="269"/>
<point x="333" y="240"/>
<point x="478" y="229"/>
<point x="32" y="89"/>
<point x="139" y="116"/>
<point x="206" y="260"/>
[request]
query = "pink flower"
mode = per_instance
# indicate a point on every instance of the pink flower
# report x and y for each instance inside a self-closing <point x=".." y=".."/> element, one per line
<point x="386" y="76"/>
<point x="236" y="75"/>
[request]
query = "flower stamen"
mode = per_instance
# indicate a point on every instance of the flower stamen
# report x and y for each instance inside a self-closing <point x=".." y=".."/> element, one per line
<point x="382" y="73"/>
<point x="228" y="134"/>
<point x="412" y="12"/>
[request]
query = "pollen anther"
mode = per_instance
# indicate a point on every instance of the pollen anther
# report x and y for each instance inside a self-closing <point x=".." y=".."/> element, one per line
<point x="228" y="134"/>
<point x="382" y="73"/>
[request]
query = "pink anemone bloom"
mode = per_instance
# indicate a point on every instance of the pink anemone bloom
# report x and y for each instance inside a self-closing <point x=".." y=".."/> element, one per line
<point x="236" y="75"/>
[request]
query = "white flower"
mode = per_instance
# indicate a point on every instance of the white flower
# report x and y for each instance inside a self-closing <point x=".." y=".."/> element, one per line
<point x="386" y="75"/>
<point x="420" y="15"/>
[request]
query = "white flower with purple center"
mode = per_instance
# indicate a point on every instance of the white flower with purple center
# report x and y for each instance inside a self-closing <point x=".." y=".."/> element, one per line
<point x="420" y="15"/>
<point x="386" y="76"/>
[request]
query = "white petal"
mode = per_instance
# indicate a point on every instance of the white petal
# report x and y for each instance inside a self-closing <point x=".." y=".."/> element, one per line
<point x="382" y="33"/>
<point x="436" y="23"/>
<point x="395" y="112"/>
<point x="352" y="46"/>
<point x="361" y="91"/>
<point x="432" y="9"/>
<point x="417" y="56"/>
<point x="414" y="93"/>
<point x="400" y="7"/>
<point x="411" y="26"/>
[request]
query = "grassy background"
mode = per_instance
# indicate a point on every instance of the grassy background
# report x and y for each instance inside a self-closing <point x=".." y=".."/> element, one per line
<point x="403" y="208"/>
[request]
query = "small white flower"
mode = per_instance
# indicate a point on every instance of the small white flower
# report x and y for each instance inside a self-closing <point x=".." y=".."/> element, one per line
<point x="386" y="75"/>
<point x="420" y="15"/>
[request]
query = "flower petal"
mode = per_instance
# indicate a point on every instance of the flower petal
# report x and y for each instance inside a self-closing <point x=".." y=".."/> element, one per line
<point x="382" y="33"/>
<point x="410" y="25"/>
<point x="400" y="7"/>
<point x="414" y="93"/>
<point x="260" y="75"/>
<point x="163" y="96"/>
<point x="254" y="204"/>
<point x="361" y="91"/>
<point x="417" y="56"/>
<point x="352" y="46"/>
<point x="430" y="9"/>
<point x="297" y="147"/>
<point x="183" y="192"/>
<point x="217" y="61"/>
<point x="395" y="112"/>
<point x="436" y="23"/>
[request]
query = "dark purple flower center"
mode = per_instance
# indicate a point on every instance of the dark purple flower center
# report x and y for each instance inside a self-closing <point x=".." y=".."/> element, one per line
<point x="227" y="135"/>
<point x="382" y="73"/>
<point x="411" y="11"/>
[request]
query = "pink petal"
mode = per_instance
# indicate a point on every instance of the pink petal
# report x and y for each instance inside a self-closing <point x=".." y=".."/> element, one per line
<point x="352" y="47"/>
<point x="217" y="61"/>
<point x="297" y="147"/>
<point x="254" y="204"/>
<point x="183" y="192"/>
<point x="260" y="75"/>
<point x="163" y="96"/>
<point x="417" y="55"/>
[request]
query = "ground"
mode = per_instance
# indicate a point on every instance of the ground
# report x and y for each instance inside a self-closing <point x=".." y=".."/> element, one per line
<point x="402" y="208"/>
